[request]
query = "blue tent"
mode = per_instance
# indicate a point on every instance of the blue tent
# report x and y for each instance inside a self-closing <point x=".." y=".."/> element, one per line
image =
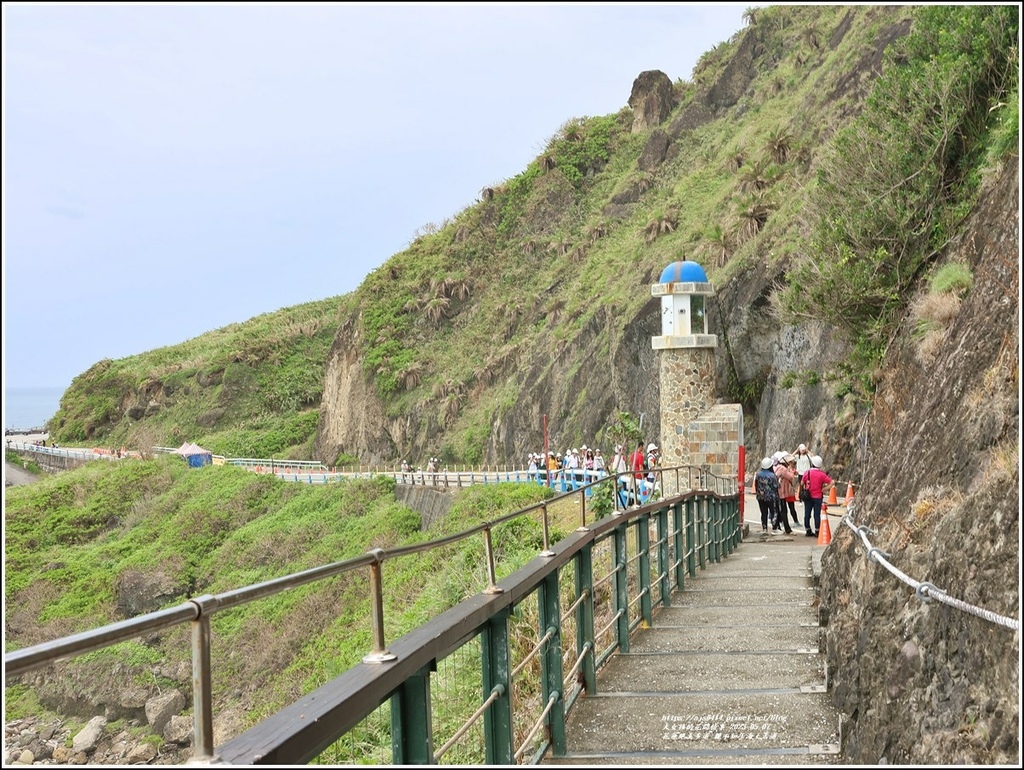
<point x="195" y="455"/>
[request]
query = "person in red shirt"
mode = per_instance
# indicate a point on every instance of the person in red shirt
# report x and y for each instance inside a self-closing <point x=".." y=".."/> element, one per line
<point x="816" y="481"/>
<point x="636" y="464"/>
<point x="636" y="461"/>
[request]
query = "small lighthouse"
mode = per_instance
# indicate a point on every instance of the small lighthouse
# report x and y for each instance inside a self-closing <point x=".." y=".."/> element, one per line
<point x="694" y="430"/>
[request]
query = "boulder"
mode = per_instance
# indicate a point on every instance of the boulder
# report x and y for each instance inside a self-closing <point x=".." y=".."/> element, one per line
<point x="162" y="708"/>
<point x="89" y="735"/>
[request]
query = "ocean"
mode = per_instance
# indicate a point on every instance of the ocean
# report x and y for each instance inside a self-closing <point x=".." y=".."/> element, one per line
<point x="30" y="407"/>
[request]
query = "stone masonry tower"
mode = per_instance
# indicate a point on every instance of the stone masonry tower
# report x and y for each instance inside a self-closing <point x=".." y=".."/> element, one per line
<point x="694" y="430"/>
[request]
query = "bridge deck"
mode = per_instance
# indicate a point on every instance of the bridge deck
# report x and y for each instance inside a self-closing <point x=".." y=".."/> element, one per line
<point x="730" y="674"/>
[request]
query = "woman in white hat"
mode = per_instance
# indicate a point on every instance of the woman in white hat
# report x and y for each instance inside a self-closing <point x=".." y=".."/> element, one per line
<point x="815" y="480"/>
<point x="803" y="460"/>
<point x="785" y="469"/>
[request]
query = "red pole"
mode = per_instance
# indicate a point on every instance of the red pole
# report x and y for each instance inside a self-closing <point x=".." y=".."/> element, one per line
<point x="547" y="472"/>
<point x="742" y="480"/>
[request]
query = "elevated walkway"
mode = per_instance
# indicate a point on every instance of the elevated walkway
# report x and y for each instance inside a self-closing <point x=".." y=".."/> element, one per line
<point x="730" y="674"/>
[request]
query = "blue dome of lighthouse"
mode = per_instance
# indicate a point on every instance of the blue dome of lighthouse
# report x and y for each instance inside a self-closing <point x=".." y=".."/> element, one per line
<point x="683" y="271"/>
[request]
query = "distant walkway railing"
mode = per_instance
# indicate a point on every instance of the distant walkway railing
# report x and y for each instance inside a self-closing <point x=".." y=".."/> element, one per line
<point x="629" y="490"/>
<point x="70" y="454"/>
<point x="611" y="573"/>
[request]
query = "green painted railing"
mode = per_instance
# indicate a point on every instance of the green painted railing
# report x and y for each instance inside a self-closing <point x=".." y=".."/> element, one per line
<point x="528" y="646"/>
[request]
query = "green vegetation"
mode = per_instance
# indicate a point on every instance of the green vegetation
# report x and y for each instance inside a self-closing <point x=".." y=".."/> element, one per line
<point x="894" y="186"/>
<point x="248" y="390"/>
<point x="536" y="284"/>
<point x="74" y="539"/>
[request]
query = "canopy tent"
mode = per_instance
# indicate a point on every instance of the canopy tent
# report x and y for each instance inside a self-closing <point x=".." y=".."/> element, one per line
<point x="194" y="455"/>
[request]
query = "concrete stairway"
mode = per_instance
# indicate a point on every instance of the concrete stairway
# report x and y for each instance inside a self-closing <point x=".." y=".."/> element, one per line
<point x="730" y="674"/>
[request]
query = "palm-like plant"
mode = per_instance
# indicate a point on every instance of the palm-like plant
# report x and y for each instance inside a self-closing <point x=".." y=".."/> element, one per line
<point x="811" y="38"/>
<point x="412" y="375"/>
<point x="663" y="225"/>
<point x="754" y="215"/>
<point x="436" y="309"/>
<point x="721" y="242"/>
<point x="779" y="144"/>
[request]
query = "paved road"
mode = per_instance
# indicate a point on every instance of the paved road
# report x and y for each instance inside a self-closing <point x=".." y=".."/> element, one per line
<point x="15" y="475"/>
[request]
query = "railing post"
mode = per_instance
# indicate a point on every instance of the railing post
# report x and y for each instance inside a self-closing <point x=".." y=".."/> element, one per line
<point x="202" y="682"/>
<point x="664" y="564"/>
<point x="702" y="530"/>
<point x="713" y="534"/>
<point x="547" y="552"/>
<point x="412" y="730"/>
<point x="379" y="654"/>
<point x="584" y="566"/>
<point x="643" y="577"/>
<point x="492" y="578"/>
<point x="497" y="673"/>
<point x="621" y="582"/>
<point x="691" y="537"/>
<point x="551" y="661"/>
<point x="678" y="541"/>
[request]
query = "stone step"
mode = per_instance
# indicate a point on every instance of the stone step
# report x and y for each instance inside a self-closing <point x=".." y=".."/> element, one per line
<point x="783" y="638"/>
<point x="665" y="672"/>
<point x="721" y="725"/>
<point x="764" y="614"/>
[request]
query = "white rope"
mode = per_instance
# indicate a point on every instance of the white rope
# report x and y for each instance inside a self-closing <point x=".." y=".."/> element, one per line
<point x="924" y="591"/>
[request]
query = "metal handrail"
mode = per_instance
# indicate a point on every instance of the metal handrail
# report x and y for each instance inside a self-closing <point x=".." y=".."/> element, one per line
<point x="924" y="590"/>
<point x="199" y="610"/>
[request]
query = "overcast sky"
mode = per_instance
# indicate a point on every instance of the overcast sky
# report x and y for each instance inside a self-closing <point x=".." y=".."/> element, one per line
<point x="171" y="169"/>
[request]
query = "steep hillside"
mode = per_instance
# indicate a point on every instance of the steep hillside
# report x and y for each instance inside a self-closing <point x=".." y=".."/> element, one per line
<point x="849" y="176"/>
<point x="926" y="683"/>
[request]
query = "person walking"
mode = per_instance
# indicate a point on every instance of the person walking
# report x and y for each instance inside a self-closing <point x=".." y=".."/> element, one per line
<point x="786" y="471"/>
<point x="815" y="481"/>
<point x="636" y="462"/>
<point x="766" y="489"/>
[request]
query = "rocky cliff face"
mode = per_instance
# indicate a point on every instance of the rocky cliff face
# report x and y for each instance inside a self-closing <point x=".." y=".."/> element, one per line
<point x="923" y="682"/>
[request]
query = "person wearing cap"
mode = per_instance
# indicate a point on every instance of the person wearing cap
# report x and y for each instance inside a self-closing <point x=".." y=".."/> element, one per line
<point x="598" y="462"/>
<point x="652" y="461"/>
<point x="766" y="489"/>
<point x="803" y="461"/>
<point x="532" y="469"/>
<point x="785" y="469"/>
<point x="816" y="481"/>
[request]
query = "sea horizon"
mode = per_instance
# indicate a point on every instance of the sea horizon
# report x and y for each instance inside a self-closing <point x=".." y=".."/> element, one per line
<point x="30" y="407"/>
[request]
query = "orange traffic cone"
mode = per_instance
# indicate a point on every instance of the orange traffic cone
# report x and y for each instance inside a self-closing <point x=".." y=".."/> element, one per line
<point x="824" y="531"/>
<point x="832" y="496"/>
<point x="849" y="494"/>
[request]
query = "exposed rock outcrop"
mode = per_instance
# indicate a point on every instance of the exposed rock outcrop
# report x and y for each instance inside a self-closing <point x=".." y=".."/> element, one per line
<point x="927" y="683"/>
<point x="651" y="100"/>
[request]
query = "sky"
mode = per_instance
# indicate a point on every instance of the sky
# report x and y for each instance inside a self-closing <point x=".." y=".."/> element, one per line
<point x="169" y="169"/>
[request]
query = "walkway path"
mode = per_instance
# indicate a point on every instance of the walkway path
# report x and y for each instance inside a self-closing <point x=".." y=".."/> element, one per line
<point x="730" y="674"/>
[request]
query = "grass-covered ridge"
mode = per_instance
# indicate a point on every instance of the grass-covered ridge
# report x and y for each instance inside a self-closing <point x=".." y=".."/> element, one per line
<point x="851" y="147"/>
<point x="249" y="389"/>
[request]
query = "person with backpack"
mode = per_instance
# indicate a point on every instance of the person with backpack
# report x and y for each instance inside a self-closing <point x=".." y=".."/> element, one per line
<point x="651" y="463"/>
<point x="766" y="489"/>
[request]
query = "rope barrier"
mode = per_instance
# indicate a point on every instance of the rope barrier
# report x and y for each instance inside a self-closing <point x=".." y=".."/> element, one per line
<point x="924" y="590"/>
